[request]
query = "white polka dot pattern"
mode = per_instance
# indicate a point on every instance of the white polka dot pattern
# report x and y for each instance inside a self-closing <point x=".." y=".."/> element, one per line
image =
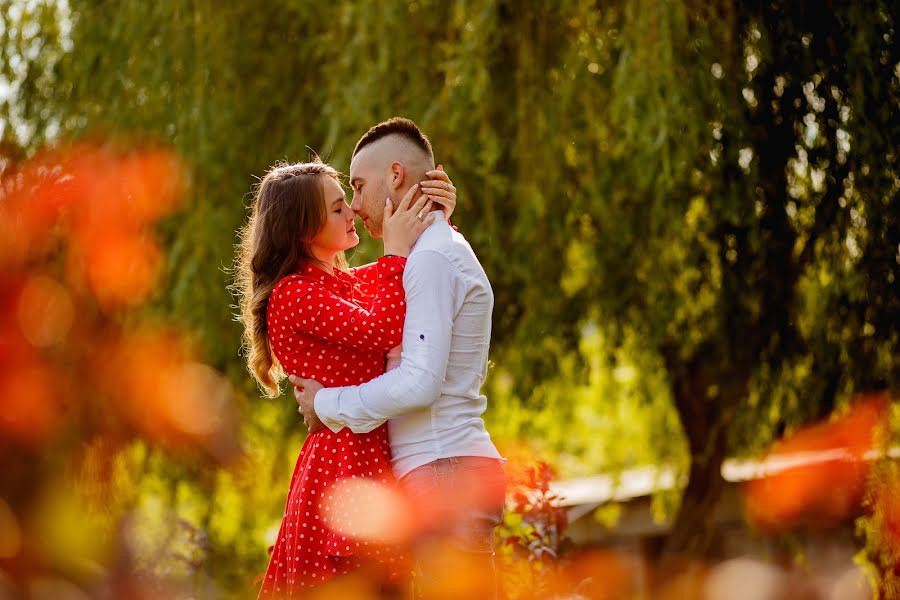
<point x="335" y="329"/>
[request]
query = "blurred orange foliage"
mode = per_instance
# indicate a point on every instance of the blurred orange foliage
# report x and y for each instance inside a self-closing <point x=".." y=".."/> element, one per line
<point x="818" y="473"/>
<point x="78" y="364"/>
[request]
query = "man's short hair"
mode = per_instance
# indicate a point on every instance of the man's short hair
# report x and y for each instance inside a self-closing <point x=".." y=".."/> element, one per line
<point x="395" y="126"/>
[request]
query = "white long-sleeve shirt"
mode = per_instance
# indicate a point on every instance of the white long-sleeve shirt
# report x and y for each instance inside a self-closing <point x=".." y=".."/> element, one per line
<point x="432" y="401"/>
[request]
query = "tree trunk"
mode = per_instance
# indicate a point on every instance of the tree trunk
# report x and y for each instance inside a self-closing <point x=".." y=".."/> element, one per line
<point x="701" y="385"/>
<point x="693" y="529"/>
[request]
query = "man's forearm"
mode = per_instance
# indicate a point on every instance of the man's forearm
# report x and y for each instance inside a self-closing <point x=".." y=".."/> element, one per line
<point x="432" y="291"/>
<point x="363" y="408"/>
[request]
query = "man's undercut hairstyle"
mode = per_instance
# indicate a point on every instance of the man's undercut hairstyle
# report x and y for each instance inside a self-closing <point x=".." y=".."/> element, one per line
<point x="396" y="126"/>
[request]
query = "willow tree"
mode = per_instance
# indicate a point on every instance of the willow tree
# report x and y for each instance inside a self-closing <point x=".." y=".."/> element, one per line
<point x="709" y="184"/>
<point x="755" y="240"/>
<point x="721" y="181"/>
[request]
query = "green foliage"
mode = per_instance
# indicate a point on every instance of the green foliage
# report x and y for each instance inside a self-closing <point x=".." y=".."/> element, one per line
<point x="879" y="529"/>
<point x="602" y="395"/>
<point x="688" y="210"/>
<point x="530" y="538"/>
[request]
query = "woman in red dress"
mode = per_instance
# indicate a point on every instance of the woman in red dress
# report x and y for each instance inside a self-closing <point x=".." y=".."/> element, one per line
<point x="305" y="313"/>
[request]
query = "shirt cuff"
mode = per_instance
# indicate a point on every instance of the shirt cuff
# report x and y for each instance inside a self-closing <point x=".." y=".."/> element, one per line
<point x="326" y="406"/>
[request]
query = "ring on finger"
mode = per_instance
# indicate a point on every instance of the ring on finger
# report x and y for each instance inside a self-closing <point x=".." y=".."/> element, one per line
<point x="421" y="215"/>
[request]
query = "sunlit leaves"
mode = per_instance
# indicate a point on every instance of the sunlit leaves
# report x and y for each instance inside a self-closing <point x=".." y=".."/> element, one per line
<point x="620" y="181"/>
<point x="83" y="380"/>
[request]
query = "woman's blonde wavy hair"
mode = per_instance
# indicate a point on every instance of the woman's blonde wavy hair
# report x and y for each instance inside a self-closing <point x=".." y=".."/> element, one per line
<point x="287" y="212"/>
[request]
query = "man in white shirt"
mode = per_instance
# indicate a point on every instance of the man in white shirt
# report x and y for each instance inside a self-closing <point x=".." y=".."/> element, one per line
<point x="442" y="454"/>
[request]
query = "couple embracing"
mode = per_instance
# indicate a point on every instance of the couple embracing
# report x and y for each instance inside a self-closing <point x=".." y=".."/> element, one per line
<point x="387" y="360"/>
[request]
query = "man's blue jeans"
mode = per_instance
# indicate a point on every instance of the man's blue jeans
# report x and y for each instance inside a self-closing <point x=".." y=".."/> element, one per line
<point x="459" y="501"/>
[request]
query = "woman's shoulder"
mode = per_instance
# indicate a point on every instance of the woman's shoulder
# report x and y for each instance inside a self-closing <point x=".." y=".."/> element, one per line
<point x="363" y="271"/>
<point x="294" y="286"/>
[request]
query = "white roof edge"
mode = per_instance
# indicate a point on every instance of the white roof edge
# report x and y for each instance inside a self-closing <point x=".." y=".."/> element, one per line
<point x="643" y="481"/>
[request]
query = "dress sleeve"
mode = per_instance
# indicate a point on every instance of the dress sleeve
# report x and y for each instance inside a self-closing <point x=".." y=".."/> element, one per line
<point x="307" y="307"/>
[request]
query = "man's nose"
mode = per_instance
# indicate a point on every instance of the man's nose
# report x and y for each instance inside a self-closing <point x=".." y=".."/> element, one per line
<point x="356" y="205"/>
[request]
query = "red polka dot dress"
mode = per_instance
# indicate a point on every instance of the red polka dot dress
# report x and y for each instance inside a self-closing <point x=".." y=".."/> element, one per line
<point x="335" y="329"/>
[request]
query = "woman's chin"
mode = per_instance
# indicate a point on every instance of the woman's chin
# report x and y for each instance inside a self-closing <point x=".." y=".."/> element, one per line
<point x="353" y="242"/>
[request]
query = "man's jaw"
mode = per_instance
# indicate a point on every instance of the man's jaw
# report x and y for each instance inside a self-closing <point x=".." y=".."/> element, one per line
<point x="374" y="231"/>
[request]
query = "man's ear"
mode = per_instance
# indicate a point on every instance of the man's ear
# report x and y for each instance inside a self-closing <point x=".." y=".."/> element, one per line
<point x="397" y="175"/>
